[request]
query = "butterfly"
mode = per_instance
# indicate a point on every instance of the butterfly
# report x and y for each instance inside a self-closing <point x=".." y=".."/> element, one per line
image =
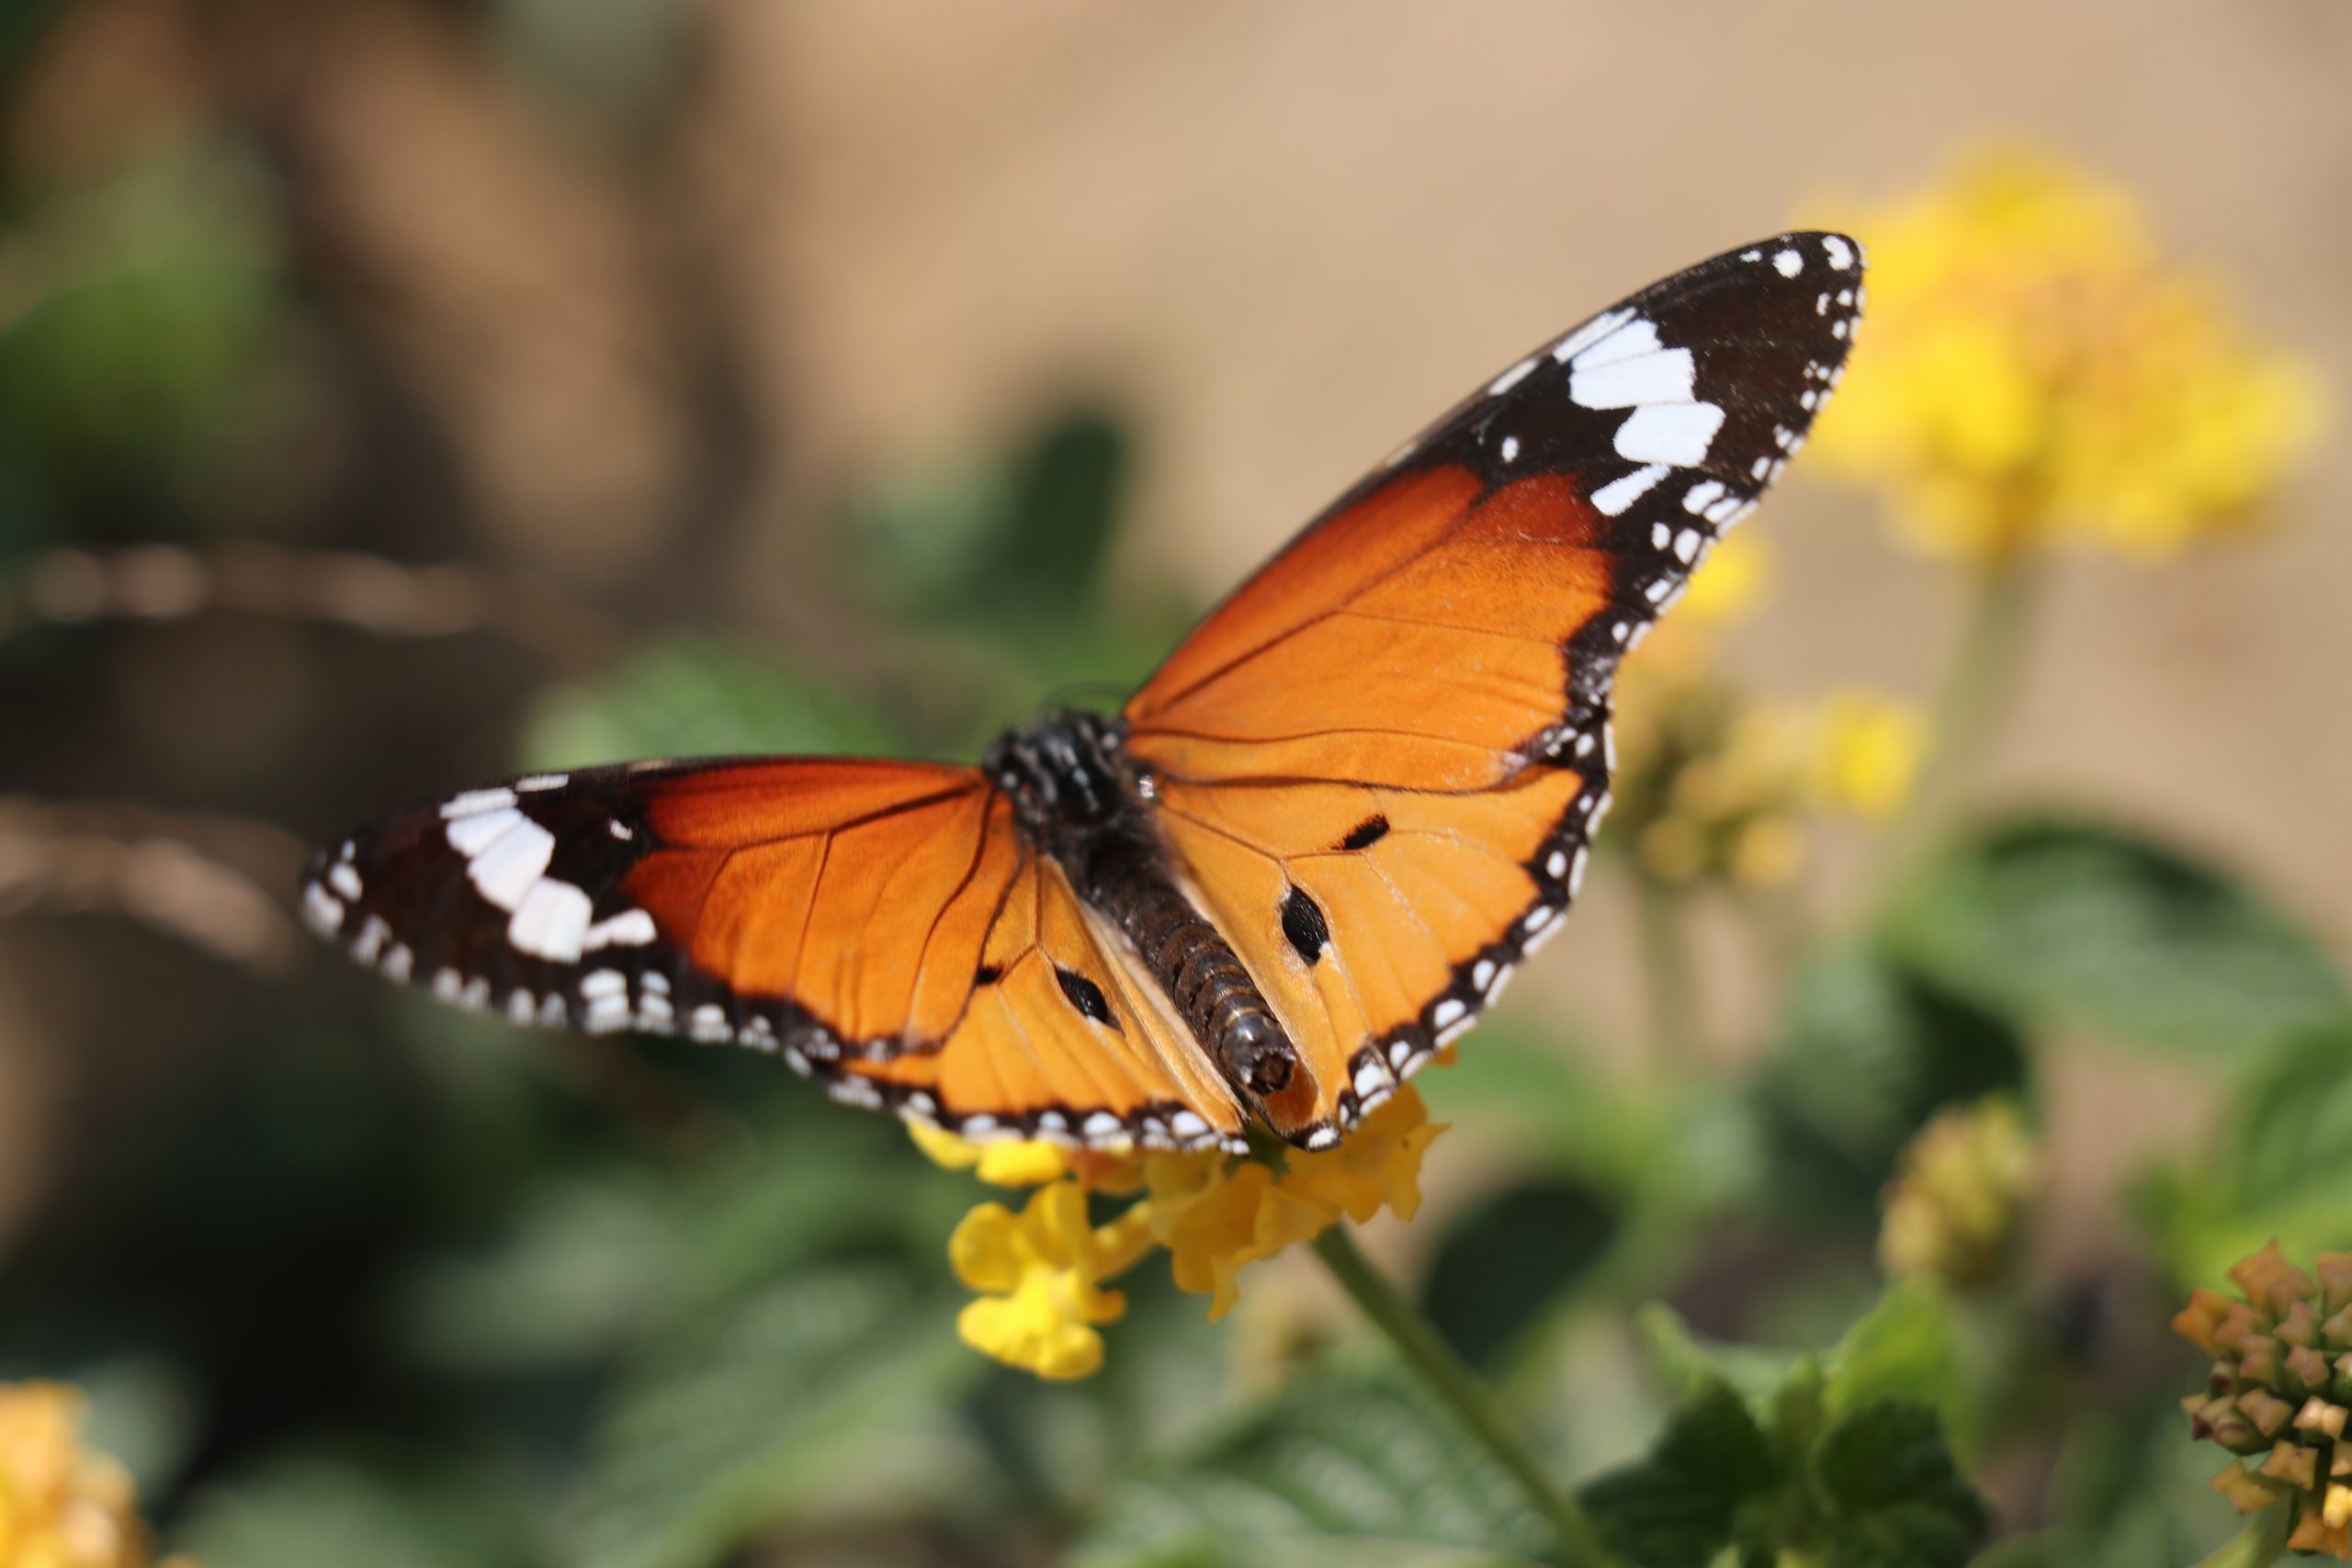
<point x="1300" y="861"/>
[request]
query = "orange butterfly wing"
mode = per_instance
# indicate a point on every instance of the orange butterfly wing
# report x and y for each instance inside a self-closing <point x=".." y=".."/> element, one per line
<point x="879" y="924"/>
<point x="1376" y="768"/>
<point x="1379" y="763"/>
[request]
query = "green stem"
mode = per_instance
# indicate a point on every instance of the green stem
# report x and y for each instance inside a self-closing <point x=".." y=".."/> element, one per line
<point x="1979" y="690"/>
<point x="1667" y="974"/>
<point x="2263" y="1541"/>
<point x="1442" y="1373"/>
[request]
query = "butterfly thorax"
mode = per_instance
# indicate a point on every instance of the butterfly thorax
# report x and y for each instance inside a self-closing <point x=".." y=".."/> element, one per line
<point x="1080" y="801"/>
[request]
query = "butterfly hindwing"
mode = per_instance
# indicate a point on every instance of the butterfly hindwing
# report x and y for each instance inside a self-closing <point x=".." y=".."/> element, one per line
<point x="1066" y="1039"/>
<point x="1449" y="631"/>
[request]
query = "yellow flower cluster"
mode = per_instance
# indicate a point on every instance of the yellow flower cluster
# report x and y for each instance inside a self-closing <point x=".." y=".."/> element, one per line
<point x="1040" y="1271"/>
<point x="2035" y="374"/>
<point x="2280" y="1392"/>
<point x="1958" y="1193"/>
<point x="62" y="1505"/>
<point x="1736" y="808"/>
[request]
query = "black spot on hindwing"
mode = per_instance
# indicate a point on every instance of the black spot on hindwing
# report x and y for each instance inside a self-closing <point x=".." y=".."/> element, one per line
<point x="1304" y="924"/>
<point x="986" y="974"/>
<point x="1086" y="997"/>
<point x="1366" y="833"/>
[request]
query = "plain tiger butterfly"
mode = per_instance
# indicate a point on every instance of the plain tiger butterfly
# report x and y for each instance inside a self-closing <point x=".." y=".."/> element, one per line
<point x="1301" y="859"/>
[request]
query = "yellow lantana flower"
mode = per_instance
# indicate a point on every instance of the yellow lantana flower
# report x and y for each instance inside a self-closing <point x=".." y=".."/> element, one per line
<point x="2036" y="374"/>
<point x="62" y="1505"/>
<point x="1041" y="1271"/>
<point x="1005" y="1162"/>
<point x="1235" y="1218"/>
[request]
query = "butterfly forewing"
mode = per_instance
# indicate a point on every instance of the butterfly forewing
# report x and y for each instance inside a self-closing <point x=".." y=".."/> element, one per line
<point x="1450" y="629"/>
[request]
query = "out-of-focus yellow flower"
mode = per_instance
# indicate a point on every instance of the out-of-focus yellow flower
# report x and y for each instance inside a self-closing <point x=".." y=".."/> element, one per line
<point x="1958" y="1194"/>
<point x="1718" y="789"/>
<point x="1867" y="753"/>
<point x="2280" y="1390"/>
<point x="1041" y="1271"/>
<point x="62" y="1505"/>
<point x="2035" y="374"/>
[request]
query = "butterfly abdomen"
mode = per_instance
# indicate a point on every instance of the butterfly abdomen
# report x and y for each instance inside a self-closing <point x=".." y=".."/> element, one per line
<point x="1075" y="801"/>
<point x="1227" y="1014"/>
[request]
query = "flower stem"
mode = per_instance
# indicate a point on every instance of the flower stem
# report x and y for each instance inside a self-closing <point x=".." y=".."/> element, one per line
<point x="1442" y="1373"/>
<point x="1979" y="689"/>
<point x="1666" y="975"/>
<point x="2263" y="1541"/>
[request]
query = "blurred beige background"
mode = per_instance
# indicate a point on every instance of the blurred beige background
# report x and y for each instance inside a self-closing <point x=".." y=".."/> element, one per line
<point x="1285" y="234"/>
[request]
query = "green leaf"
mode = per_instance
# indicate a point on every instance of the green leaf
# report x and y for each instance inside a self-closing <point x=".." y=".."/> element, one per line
<point x="582" y="1260"/>
<point x="2279" y="1169"/>
<point x="1894" y="1498"/>
<point x="696" y="697"/>
<point x="363" y="1511"/>
<point x="1336" y="1469"/>
<point x="1689" y="1363"/>
<point x="2093" y="926"/>
<point x="1677" y="1507"/>
<point x="1004" y="542"/>
<point x="1069" y="490"/>
<point x="1869" y="1050"/>
<point x="1902" y="1348"/>
<point x="823" y="1393"/>
<point x="1503" y="1267"/>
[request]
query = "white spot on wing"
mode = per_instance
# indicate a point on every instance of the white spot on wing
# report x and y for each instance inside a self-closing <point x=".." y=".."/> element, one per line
<point x="344" y="879"/>
<point x="507" y="869"/>
<point x="1611" y="499"/>
<point x="1678" y="433"/>
<point x="1840" y="255"/>
<point x="1667" y="377"/>
<point x="1633" y="339"/>
<point x="630" y="928"/>
<point x="475" y="800"/>
<point x="321" y="908"/>
<point x="1787" y="264"/>
<point x="476" y="831"/>
<point x="552" y="921"/>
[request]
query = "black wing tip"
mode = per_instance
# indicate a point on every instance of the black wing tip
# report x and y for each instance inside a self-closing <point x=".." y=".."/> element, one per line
<point x="1796" y="254"/>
